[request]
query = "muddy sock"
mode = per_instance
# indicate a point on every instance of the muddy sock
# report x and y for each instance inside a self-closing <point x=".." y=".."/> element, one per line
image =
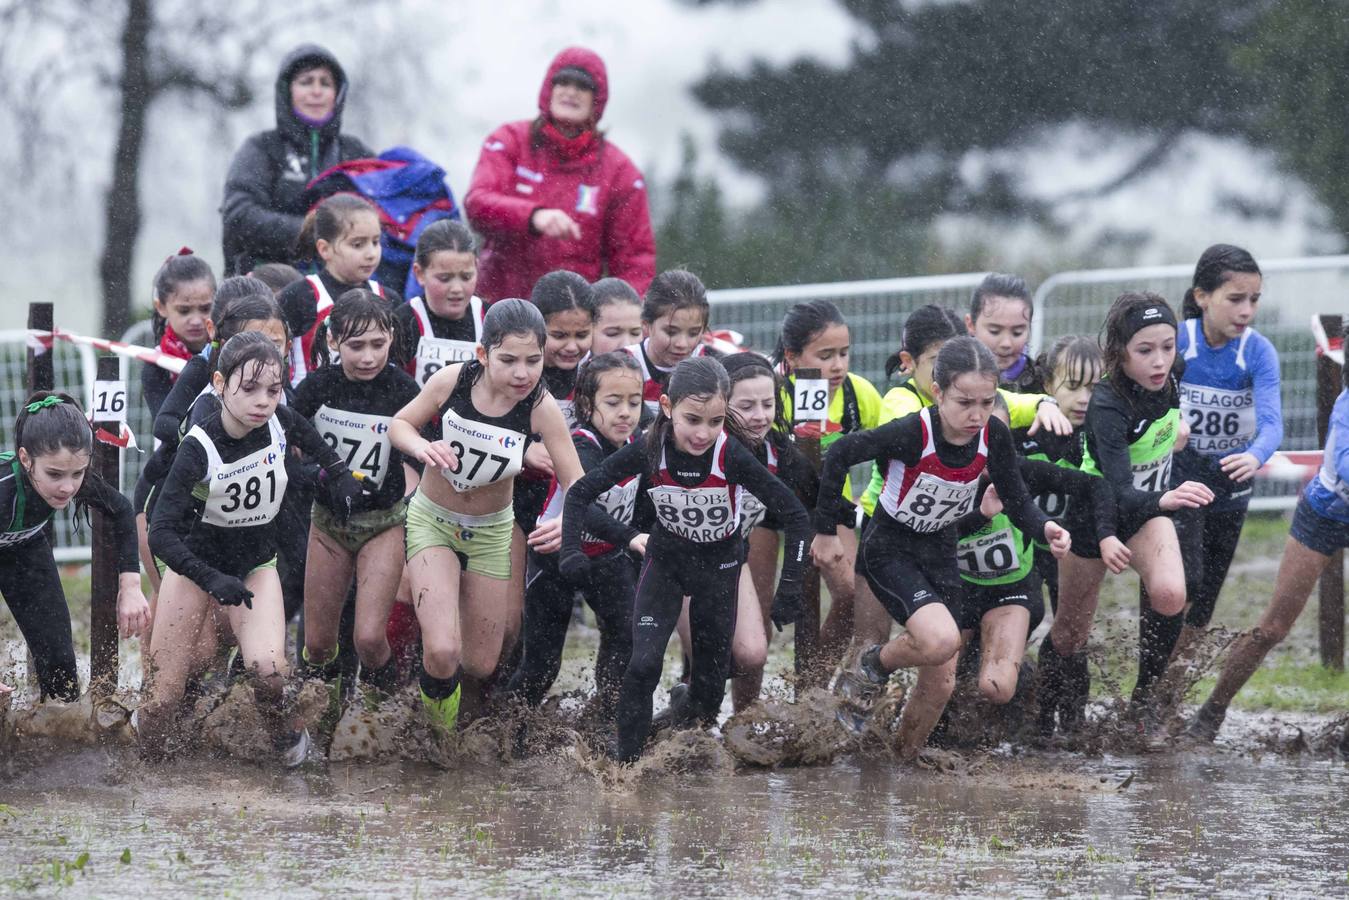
<point x="382" y="678"/>
<point x="438" y="688"/>
<point x="326" y="670"/>
<point x="1157" y="636"/>
<point x="1049" y="686"/>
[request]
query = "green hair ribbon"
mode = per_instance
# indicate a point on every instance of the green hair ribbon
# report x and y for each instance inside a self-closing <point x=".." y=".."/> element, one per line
<point x="44" y="403"/>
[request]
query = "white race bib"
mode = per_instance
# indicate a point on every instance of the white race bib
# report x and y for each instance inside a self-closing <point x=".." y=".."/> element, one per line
<point x="248" y="491"/>
<point x="1221" y="421"/>
<point x="1153" y="476"/>
<point x="434" y="354"/>
<point x="702" y="515"/>
<point x="932" y="503"/>
<point x="989" y="555"/>
<point x="486" y="453"/>
<point x="360" y="439"/>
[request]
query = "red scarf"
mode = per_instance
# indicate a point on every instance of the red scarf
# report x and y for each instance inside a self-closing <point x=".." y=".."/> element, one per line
<point x="567" y="148"/>
<point x="173" y="345"/>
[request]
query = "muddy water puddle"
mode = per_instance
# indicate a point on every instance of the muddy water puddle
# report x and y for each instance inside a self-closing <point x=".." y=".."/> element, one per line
<point x="99" y="822"/>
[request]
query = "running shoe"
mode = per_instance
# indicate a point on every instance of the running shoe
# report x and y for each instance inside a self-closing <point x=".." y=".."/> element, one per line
<point x="677" y="714"/>
<point x="297" y="750"/>
<point x="1204" y="727"/>
<point x="443" y="713"/>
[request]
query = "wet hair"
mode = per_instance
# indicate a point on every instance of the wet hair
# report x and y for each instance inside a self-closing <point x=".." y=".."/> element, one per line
<point x="1077" y="356"/>
<point x="588" y="381"/>
<point x="512" y="316"/>
<point x="699" y="377"/>
<point x="802" y="324"/>
<point x="673" y="290"/>
<point x="562" y="291"/>
<point x="444" y="235"/>
<point x="329" y="221"/>
<point x="1216" y="265"/>
<point x="235" y="288"/>
<point x="963" y="355"/>
<point x="608" y="291"/>
<point x="746" y="365"/>
<point x="52" y="426"/>
<point x="184" y="267"/>
<point x="356" y="311"/>
<point x="248" y="348"/>
<point x="1118" y="328"/>
<point x="277" y="276"/>
<point x="997" y="284"/>
<point x="925" y="326"/>
<point x="234" y="313"/>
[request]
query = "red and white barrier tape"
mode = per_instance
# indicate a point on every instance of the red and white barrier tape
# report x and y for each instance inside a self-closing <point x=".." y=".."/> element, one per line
<point x="41" y="341"/>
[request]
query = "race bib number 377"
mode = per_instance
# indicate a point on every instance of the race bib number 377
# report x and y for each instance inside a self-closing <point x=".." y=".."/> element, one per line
<point x="486" y="453"/>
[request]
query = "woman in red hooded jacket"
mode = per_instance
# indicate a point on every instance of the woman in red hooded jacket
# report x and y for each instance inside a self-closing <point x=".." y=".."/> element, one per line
<point x="553" y="193"/>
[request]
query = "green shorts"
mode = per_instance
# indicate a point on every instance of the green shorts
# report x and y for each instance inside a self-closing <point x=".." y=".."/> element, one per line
<point x="361" y="527"/>
<point x="482" y="543"/>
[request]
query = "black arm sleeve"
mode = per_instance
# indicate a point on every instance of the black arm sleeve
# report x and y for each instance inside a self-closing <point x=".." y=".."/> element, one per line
<point x="624" y="463"/>
<point x="108" y="500"/>
<point x="175" y="513"/>
<point x="597" y="521"/>
<point x="1045" y="477"/>
<point x="742" y="468"/>
<point x="194" y="377"/>
<point x="300" y="432"/>
<point x="309" y="394"/>
<point x="155" y="386"/>
<point x="1005" y="473"/>
<point x="898" y="439"/>
<point x="1110" y="447"/>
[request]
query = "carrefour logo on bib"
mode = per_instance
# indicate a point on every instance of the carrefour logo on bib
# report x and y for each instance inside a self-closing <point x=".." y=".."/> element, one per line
<point x="269" y="458"/>
<point x="379" y="428"/>
<point x="506" y="441"/>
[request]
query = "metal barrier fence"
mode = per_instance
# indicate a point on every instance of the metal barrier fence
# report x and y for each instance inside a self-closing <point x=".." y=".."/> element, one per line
<point x="1293" y="289"/>
<point x="1066" y="303"/>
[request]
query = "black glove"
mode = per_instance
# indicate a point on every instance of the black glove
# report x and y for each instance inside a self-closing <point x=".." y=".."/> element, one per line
<point x="573" y="566"/>
<point x="345" y="495"/>
<point x="786" y="604"/>
<point x="228" y="590"/>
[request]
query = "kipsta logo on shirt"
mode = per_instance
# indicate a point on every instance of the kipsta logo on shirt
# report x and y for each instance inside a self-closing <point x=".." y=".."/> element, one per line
<point x="587" y="198"/>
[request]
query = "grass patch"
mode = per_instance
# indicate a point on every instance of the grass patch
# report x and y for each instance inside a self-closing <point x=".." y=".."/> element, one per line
<point x="1286" y="686"/>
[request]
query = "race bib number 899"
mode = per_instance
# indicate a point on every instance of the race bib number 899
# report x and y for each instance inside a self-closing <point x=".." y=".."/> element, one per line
<point x="702" y="515"/>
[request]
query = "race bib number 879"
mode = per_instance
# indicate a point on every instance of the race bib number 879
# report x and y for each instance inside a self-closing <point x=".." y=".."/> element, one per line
<point x="933" y="503"/>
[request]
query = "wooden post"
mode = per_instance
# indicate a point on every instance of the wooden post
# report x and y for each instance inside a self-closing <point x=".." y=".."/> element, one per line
<point x="807" y="643"/>
<point x="108" y="413"/>
<point x="41" y="371"/>
<point x="1329" y="383"/>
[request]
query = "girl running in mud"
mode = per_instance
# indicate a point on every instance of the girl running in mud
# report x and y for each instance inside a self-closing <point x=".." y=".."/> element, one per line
<point x="815" y="336"/>
<point x="608" y="407"/>
<point x="215" y="528"/>
<point x="1229" y="396"/>
<point x="693" y="473"/>
<point x="1133" y="423"/>
<point x="926" y="331"/>
<point x="675" y="316"/>
<point x="931" y="462"/>
<point x="1320" y="528"/>
<point x="342" y="233"/>
<point x="999" y="317"/>
<point x="1003" y="602"/>
<point x="1072" y="368"/>
<point x="618" y="316"/>
<point x="444" y="324"/>
<point x="49" y="471"/>
<point x="352" y="402"/>
<point x="459" y="525"/>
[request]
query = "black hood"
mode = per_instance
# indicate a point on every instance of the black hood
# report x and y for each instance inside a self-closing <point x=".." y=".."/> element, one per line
<point x="292" y="129"/>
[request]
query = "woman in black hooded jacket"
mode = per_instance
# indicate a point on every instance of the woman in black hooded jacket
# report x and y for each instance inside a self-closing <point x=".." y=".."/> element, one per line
<point x="264" y="190"/>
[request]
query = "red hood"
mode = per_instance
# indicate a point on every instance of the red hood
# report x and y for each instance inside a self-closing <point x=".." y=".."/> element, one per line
<point x="581" y="58"/>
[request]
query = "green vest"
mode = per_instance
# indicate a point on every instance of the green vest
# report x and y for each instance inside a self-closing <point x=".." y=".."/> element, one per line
<point x="998" y="553"/>
<point x="1149" y="454"/>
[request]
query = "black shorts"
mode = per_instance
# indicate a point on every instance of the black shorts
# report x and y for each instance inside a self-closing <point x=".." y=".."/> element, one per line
<point x="980" y="599"/>
<point x="1085" y="544"/>
<point x="906" y="571"/>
